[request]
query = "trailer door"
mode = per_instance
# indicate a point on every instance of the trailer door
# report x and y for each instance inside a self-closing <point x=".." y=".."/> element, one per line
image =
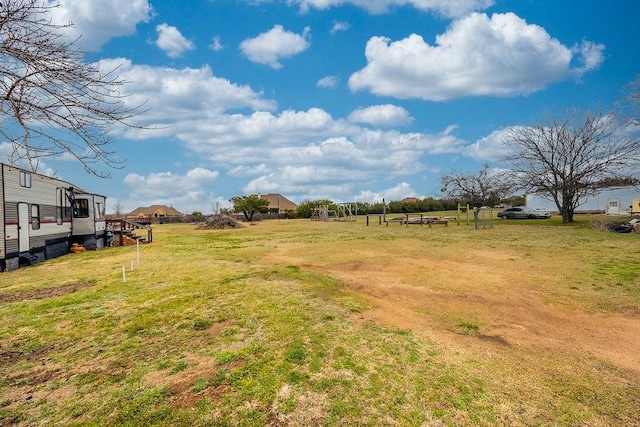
<point x="23" y="227"/>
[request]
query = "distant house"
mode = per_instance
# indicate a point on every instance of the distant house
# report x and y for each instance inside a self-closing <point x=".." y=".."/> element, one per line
<point x="410" y="200"/>
<point x="279" y="204"/>
<point x="155" y="213"/>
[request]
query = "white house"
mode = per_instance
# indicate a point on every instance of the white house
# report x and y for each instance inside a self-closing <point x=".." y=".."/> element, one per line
<point x="620" y="200"/>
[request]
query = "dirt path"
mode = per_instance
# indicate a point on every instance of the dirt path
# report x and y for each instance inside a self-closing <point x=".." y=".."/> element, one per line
<point x="439" y="295"/>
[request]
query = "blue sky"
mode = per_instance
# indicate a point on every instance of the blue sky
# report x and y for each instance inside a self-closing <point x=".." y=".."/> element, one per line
<point x="350" y="100"/>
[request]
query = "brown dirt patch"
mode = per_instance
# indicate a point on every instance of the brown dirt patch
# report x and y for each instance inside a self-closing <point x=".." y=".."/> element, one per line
<point x="181" y="385"/>
<point x="13" y="353"/>
<point x="213" y="330"/>
<point x="43" y="293"/>
<point x="37" y="384"/>
<point x="432" y="294"/>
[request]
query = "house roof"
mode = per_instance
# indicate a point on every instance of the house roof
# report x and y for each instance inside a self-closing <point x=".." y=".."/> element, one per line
<point x="277" y="200"/>
<point x="410" y="200"/>
<point x="155" y="210"/>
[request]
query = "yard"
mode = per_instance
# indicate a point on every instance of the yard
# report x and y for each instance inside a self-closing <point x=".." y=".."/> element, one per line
<point x="298" y="322"/>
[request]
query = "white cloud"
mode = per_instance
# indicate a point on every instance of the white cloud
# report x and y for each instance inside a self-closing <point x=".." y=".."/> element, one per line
<point x="381" y="115"/>
<point x="43" y="167"/>
<point x="190" y="191"/>
<point x="98" y="21"/>
<point x="296" y="139"/>
<point x="339" y="26"/>
<point x="263" y="184"/>
<point x="491" y="147"/>
<point x="399" y="192"/>
<point x="270" y="47"/>
<point x="301" y="153"/>
<point x="260" y="128"/>
<point x="181" y="96"/>
<point x="162" y="183"/>
<point x="478" y="55"/>
<point x="591" y="56"/>
<point x="216" y="44"/>
<point x="297" y="165"/>
<point x="302" y="189"/>
<point x="448" y="8"/>
<point x="329" y="82"/>
<point x="171" y="41"/>
<point x="5" y="149"/>
<point x="245" y="170"/>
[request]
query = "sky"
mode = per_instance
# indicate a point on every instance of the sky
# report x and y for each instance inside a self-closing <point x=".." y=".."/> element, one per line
<point x="347" y="100"/>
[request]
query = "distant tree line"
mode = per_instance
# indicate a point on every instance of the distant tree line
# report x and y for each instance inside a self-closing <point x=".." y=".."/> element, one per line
<point x="428" y="204"/>
<point x="253" y="207"/>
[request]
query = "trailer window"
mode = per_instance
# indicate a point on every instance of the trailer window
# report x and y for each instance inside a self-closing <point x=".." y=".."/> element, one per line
<point x="59" y="205"/>
<point x="82" y="209"/>
<point x="35" y="217"/>
<point x="25" y="179"/>
<point x="99" y="210"/>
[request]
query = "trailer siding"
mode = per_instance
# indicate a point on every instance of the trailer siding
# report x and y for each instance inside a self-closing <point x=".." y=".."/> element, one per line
<point x="3" y="247"/>
<point x="48" y="217"/>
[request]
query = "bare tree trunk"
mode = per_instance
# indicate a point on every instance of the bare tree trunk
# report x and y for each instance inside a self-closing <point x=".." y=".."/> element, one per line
<point x="567" y="210"/>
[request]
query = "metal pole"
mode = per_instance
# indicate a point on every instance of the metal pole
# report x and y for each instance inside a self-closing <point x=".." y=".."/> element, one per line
<point x="384" y="210"/>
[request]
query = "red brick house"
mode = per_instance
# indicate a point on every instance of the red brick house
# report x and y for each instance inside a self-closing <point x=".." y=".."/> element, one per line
<point x="155" y="213"/>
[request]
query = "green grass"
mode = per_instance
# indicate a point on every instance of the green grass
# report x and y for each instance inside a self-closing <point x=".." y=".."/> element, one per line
<point x="467" y="326"/>
<point x="205" y="331"/>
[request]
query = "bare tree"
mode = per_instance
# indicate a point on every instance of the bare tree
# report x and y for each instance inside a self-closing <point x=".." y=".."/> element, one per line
<point x="53" y="103"/>
<point x="117" y="209"/>
<point x="216" y="206"/>
<point x="629" y="105"/>
<point x="569" y="159"/>
<point x="480" y="188"/>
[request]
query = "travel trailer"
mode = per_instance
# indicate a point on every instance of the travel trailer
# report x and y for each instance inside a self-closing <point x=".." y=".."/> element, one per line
<point x="41" y="217"/>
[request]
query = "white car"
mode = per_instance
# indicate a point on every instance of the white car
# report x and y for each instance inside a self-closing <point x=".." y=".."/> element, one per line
<point x="523" y="213"/>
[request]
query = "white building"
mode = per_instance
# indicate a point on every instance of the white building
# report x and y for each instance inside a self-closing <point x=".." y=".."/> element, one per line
<point x="613" y="201"/>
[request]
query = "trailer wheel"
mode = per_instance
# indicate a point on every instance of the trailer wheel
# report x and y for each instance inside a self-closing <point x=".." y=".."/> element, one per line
<point x="90" y="244"/>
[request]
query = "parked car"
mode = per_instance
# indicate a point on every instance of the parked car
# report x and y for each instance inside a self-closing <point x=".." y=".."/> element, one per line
<point x="523" y="212"/>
